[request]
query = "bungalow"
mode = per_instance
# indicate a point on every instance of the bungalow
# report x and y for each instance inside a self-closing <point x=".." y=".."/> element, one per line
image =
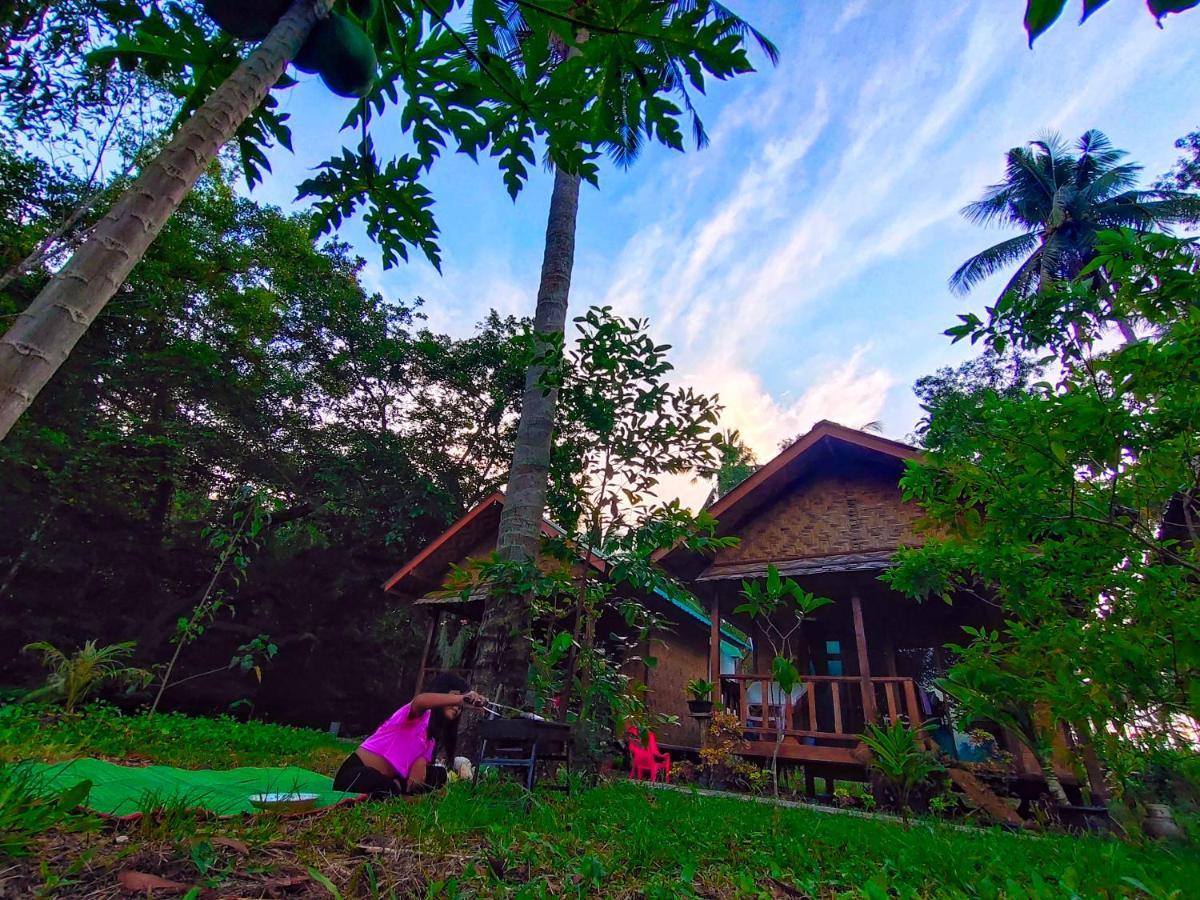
<point x="828" y="512"/>
<point x="681" y="648"/>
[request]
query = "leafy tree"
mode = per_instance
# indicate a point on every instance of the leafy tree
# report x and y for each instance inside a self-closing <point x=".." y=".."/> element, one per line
<point x="242" y="354"/>
<point x="1060" y="200"/>
<point x="948" y="397"/>
<point x="1041" y="14"/>
<point x="621" y="427"/>
<point x="1071" y="505"/>
<point x="737" y="463"/>
<point x="780" y="607"/>
<point x="1185" y="176"/>
<point x="454" y="93"/>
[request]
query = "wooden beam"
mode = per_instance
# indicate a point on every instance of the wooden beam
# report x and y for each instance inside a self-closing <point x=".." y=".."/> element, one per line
<point x="864" y="660"/>
<point x="714" y="644"/>
<point x="889" y="655"/>
<point x="910" y="699"/>
<point x="433" y="624"/>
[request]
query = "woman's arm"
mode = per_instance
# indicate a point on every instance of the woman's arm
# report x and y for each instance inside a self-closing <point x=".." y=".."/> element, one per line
<point x="422" y="703"/>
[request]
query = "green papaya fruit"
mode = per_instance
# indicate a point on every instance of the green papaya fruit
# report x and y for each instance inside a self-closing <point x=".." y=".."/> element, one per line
<point x="250" y="20"/>
<point x="347" y="61"/>
<point x="364" y="9"/>
<point x="311" y="52"/>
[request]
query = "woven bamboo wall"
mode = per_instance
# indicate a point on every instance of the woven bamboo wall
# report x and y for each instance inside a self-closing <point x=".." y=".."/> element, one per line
<point x="842" y="510"/>
<point x="681" y="657"/>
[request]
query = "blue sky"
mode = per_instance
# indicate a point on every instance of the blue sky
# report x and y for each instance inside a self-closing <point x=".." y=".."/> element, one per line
<point x="799" y="264"/>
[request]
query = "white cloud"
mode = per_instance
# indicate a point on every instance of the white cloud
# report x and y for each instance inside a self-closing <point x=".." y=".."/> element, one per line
<point x="851" y="11"/>
<point x="851" y="391"/>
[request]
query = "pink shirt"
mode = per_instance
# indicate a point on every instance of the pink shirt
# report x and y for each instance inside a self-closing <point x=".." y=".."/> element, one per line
<point x="402" y="741"/>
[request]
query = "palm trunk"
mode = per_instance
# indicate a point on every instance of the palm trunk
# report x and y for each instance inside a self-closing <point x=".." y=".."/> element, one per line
<point x="44" y="335"/>
<point x="502" y="653"/>
<point x="1053" y="785"/>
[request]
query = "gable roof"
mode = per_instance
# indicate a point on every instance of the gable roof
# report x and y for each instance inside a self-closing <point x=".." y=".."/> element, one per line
<point x="822" y="439"/>
<point x="424" y="572"/>
<point x="824" y="442"/>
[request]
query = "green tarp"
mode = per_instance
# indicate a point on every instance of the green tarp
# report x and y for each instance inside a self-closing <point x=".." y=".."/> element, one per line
<point x="124" y="790"/>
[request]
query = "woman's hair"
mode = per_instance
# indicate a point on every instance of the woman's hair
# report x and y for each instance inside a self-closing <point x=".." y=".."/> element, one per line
<point x="442" y="729"/>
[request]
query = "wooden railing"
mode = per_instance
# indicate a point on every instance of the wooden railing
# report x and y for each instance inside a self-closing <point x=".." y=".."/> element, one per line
<point x="823" y="707"/>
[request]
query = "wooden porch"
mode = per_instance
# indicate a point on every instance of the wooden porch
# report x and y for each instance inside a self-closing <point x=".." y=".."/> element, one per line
<point x="822" y="719"/>
<point x="867" y="657"/>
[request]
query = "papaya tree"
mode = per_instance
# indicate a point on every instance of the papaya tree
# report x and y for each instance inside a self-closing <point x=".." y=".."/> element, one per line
<point x="1041" y="14"/>
<point x="446" y="81"/>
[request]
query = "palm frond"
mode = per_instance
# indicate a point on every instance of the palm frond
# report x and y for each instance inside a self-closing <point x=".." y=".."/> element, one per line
<point x="1026" y="276"/>
<point x="1107" y="184"/>
<point x="734" y="24"/>
<point x="992" y="260"/>
<point x="993" y="207"/>
<point x="1096" y="154"/>
<point x="1033" y="176"/>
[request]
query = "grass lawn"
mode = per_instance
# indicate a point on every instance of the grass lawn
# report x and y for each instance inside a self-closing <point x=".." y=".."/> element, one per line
<point x="618" y="840"/>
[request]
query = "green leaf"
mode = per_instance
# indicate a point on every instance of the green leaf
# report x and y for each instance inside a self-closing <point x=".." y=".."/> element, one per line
<point x="74" y="796"/>
<point x="1040" y="15"/>
<point x="784" y="671"/>
<point x="1162" y="8"/>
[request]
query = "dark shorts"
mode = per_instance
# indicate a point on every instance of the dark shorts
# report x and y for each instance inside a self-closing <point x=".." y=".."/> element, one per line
<point x="356" y="777"/>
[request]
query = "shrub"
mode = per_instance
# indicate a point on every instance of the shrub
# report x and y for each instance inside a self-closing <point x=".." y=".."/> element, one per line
<point x="899" y="761"/>
<point x="73" y="678"/>
<point x="27" y="808"/>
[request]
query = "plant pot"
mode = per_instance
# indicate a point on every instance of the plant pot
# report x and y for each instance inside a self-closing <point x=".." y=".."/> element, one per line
<point x="700" y="709"/>
<point x="1159" y="823"/>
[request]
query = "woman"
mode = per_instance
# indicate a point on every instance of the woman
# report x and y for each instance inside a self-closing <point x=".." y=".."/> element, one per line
<point x="397" y="758"/>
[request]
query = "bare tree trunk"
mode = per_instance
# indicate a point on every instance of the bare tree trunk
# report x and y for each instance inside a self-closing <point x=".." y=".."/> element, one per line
<point x="44" y="335"/>
<point x="34" y="538"/>
<point x="502" y="652"/>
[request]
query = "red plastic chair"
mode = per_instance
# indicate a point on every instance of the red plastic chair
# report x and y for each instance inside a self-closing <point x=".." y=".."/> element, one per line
<point x="646" y="762"/>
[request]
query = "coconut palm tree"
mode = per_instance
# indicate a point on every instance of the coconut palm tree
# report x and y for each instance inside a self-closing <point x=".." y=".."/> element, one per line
<point x="1060" y="197"/>
<point x="33" y="349"/>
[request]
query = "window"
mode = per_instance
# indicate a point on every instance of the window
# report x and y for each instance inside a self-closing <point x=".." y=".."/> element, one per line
<point x="833" y="656"/>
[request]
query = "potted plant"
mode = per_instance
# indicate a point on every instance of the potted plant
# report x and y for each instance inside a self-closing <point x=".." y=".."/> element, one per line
<point x="700" y="697"/>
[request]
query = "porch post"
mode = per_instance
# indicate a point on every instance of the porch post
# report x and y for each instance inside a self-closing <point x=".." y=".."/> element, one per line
<point x="714" y="644"/>
<point x="433" y="624"/>
<point x="864" y="661"/>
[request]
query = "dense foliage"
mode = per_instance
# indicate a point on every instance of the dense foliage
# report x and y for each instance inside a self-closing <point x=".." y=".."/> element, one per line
<point x="243" y="361"/>
<point x="621" y="427"/>
<point x="1073" y="506"/>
